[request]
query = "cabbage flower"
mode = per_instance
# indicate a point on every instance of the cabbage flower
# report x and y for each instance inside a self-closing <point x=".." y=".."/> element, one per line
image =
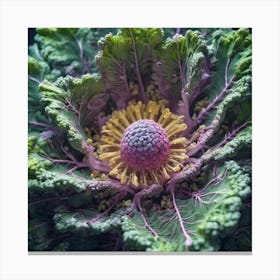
<point x="140" y="140"/>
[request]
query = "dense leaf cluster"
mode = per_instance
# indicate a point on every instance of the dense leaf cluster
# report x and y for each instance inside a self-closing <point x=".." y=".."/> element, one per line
<point x="77" y="78"/>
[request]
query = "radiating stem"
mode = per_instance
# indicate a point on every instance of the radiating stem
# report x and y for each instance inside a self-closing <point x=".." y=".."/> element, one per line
<point x="146" y="222"/>
<point x="204" y="112"/>
<point x="226" y="71"/>
<point x="182" y="72"/>
<point x="138" y="74"/>
<point x="186" y="108"/>
<point x="231" y="135"/>
<point x="187" y="236"/>
<point x="94" y="163"/>
<point x="118" y="198"/>
<point x="93" y="220"/>
<point x="137" y="201"/>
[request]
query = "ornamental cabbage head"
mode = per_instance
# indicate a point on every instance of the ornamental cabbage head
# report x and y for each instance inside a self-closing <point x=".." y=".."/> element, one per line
<point x="140" y="139"/>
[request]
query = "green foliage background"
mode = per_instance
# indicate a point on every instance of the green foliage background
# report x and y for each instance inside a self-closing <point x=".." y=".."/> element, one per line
<point x="67" y="211"/>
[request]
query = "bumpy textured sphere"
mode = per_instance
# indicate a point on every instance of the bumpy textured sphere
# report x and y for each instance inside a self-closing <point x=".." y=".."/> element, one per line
<point x="144" y="145"/>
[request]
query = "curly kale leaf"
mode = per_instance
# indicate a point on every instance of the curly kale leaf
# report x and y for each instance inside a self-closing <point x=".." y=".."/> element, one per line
<point x="226" y="107"/>
<point x="211" y="213"/>
<point x="205" y="75"/>
<point x="61" y="109"/>
<point x="231" y="54"/>
<point x="125" y="59"/>
<point x="38" y="70"/>
<point x="237" y="147"/>
<point x="58" y="52"/>
<point x="71" y="50"/>
<point x="182" y="67"/>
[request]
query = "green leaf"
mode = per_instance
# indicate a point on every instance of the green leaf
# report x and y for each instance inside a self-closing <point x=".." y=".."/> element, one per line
<point x="125" y="59"/>
<point x="71" y="50"/>
<point x="38" y="70"/>
<point x="205" y="75"/>
<point x="56" y="181"/>
<point x="230" y="52"/>
<point x="216" y="215"/>
<point x="59" y="107"/>
<point x="242" y="142"/>
<point x="85" y="220"/>
<point x="37" y="165"/>
<point x="135" y="236"/>
<point x="181" y="64"/>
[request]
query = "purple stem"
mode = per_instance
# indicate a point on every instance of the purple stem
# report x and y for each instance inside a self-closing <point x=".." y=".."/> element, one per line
<point x="198" y="197"/>
<point x="146" y="222"/>
<point x="120" y="187"/>
<point x="147" y="192"/>
<point x="142" y="90"/>
<point x="204" y="112"/>
<point x="184" y="108"/>
<point x="187" y="236"/>
<point x="72" y="107"/>
<point x="182" y="175"/>
<point x="165" y="89"/>
<point x="118" y="198"/>
<point x="204" y="81"/>
<point x="182" y="72"/>
<point x="94" y="163"/>
<point x="92" y="109"/>
<point x="95" y="219"/>
<point x="78" y="166"/>
<point x="214" y="181"/>
<point x="203" y="138"/>
<point x="196" y="149"/>
<point x="231" y="135"/>
<point x="66" y="161"/>
<point x="68" y="154"/>
<point x="71" y="160"/>
<point x="137" y="202"/>
<point x="123" y="77"/>
<point x="122" y="72"/>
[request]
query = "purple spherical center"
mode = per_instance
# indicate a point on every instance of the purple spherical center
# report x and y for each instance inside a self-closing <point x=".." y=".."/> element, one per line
<point x="144" y="145"/>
